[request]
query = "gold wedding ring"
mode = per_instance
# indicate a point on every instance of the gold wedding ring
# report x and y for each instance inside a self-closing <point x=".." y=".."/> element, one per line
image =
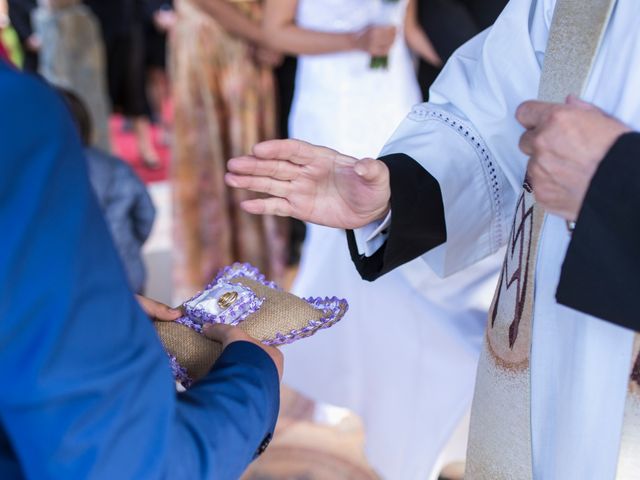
<point x="227" y="299"/>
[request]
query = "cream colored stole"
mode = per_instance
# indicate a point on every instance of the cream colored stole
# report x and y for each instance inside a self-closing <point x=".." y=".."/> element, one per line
<point x="500" y="433"/>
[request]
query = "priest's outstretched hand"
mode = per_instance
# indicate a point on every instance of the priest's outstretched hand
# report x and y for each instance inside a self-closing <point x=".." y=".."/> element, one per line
<point x="314" y="184"/>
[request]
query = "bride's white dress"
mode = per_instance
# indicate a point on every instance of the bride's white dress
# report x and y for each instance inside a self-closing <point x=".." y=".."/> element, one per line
<point x="404" y="358"/>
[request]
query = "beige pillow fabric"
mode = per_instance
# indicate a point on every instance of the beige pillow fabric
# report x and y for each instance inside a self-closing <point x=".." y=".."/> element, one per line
<point x="241" y="296"/>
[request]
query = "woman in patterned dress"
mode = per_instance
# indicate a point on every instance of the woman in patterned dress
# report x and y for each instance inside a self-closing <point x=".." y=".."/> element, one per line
<point x="224" y="104"/>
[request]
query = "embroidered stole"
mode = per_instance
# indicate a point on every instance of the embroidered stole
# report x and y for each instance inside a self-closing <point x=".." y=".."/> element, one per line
<point x="500" y="432"/>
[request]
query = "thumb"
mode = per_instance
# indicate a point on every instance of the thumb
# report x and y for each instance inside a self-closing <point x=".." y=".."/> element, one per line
<point x="157" y="310"/>
<point x="218" y="332"/>
<point x="370" y="170"/>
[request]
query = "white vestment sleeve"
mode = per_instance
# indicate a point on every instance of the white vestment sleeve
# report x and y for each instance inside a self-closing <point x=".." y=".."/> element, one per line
<point x="467" y="135"/>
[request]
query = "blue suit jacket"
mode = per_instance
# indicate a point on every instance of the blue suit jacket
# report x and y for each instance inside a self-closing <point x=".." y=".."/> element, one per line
<point x="85" y="387"/>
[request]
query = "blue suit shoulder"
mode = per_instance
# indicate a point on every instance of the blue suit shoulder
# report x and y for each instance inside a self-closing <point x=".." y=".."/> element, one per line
<point x="25" y="94"/>
<point x="32" y="114"/>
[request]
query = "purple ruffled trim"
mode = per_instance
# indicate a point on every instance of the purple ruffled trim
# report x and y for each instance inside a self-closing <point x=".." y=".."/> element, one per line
<point x="335" y="307"/>
<point x="186" y="321"/>
<point x="179" y="373"/>
<point x="248" y="303"/>
<point x="244" y="270"/>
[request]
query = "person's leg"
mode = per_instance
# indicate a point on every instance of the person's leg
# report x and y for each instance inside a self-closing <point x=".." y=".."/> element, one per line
<point x="156" y="68"/>
<point x="142" y="131"/>
<point x="136" y="105"/>
<point x="285" y="76"/>
<point x="158" y="91"/>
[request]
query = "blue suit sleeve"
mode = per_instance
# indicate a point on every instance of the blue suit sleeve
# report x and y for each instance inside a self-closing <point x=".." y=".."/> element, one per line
<point x="235" y="390"/>
<point x="86" y="390"/>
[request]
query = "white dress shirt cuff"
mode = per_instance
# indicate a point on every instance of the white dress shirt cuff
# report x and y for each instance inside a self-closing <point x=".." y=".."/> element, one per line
<point x="371" y="237"/>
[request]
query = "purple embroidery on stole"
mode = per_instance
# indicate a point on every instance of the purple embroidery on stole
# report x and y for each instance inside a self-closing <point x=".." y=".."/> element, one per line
<point x="520" y="276"/>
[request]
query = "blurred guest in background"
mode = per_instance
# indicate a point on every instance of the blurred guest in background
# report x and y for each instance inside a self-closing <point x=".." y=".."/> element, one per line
<point x="417" y="39"/>
<point x="340" y="101"/>
<point x="10" y="47"/>
<point x="286" y="80"/>
<point x="72" y="57"/>
<point x="449" y="24"/>
<point x="160" y="19"/>
<point x="4" y="54"/>
<point x="224" y="103"/>
<point x="122" y="23"/>
<point x="285" y="75"/>
<point x="123" y="198"/>
<point x="20" y="14"/>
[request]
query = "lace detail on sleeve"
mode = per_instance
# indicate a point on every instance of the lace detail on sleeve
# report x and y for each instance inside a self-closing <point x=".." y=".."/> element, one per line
<point x="493" y="176"/>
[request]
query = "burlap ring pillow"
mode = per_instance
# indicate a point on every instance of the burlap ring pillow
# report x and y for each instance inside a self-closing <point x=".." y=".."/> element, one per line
<point x="241" y="296"/>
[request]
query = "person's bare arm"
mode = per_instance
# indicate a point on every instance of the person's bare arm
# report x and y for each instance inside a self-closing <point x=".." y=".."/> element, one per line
<point x="282" y="33"/>
<point x="232" y="20"/>
<point x="417" y="39"/>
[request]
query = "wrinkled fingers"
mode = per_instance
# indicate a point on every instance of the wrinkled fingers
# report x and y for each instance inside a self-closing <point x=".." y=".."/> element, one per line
<point x="277" y="188"/>
<point x="295" y="151"/>
<point x="277" y="169"/>
<point x="269" y="206"/>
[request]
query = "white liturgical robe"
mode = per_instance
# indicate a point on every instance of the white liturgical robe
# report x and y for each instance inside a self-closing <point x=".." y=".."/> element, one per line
<point x="431" y="331"/>
<point x="467" y="138"/>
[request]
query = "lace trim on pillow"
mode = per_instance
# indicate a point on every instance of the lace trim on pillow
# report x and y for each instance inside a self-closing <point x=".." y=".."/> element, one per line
<point x="179" y="373"/>
<point x="334" y="309"/>
<point x="244" y="270"/>
<point x="203" y="307"/>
